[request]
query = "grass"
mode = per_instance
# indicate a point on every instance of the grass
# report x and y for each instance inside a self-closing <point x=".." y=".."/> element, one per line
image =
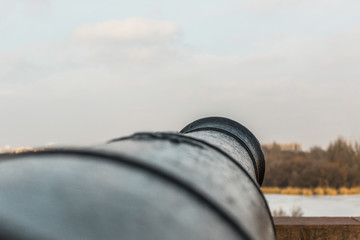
<point x="291" y="191"/>
<point x="319" y="191"/>
<point x="311" y="191"/>
<point x="294" y="212"/>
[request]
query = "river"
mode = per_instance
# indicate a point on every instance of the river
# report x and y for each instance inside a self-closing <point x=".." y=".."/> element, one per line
<point x="343" y="205"/>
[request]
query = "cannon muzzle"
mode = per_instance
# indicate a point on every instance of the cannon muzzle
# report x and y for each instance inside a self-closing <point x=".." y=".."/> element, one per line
<point x="201" y="183"/>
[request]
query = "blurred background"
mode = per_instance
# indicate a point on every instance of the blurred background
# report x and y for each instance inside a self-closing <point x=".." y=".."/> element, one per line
<point x="83" y="72"/>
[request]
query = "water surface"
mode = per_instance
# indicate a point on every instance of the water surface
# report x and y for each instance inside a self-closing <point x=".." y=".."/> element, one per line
<point x="344" y="205"/>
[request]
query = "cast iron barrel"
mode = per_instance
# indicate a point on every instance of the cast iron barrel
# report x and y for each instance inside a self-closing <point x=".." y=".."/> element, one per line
<point x="201" y="183"/>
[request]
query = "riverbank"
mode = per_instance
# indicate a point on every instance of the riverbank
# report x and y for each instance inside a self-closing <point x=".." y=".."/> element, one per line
<point x="311" y="191"/>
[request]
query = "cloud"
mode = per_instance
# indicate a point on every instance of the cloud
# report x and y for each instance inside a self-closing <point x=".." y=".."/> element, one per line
<point x="128" y="30"/>
<point x="137" y="76"/>
<point x="6" y="92"/>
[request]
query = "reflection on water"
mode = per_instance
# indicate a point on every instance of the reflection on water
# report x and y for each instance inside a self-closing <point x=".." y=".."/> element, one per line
<point x="344" y="205"/>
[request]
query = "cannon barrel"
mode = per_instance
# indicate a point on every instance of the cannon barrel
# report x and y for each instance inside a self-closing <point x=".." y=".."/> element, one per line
<point x="201" y="183"/>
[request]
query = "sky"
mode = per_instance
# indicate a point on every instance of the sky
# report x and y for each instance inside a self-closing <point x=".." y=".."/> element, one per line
<point x="84" y="72"/>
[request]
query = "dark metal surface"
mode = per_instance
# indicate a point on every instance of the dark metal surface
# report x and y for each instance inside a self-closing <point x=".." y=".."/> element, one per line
<point x="199" y="185"/>
<point x="236" y="131"/>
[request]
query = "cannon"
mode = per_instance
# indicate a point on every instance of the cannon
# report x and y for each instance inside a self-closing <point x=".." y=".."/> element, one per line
<point x="200" y="183"/>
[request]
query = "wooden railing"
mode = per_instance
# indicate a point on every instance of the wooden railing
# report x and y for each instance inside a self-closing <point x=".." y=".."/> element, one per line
<point x="324" y="228"/>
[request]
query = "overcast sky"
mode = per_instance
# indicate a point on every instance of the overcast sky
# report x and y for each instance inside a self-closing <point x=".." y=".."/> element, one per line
<point x="83" y="72"/>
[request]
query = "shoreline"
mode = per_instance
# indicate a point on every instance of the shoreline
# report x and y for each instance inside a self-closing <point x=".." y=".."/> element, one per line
<point x="318" y="191"/>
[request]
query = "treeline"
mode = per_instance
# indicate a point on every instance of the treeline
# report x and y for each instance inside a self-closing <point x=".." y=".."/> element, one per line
<point x="337" y="166"/>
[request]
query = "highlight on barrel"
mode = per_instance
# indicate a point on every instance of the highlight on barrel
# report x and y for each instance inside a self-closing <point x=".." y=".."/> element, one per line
<point x="200" y="183"/>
